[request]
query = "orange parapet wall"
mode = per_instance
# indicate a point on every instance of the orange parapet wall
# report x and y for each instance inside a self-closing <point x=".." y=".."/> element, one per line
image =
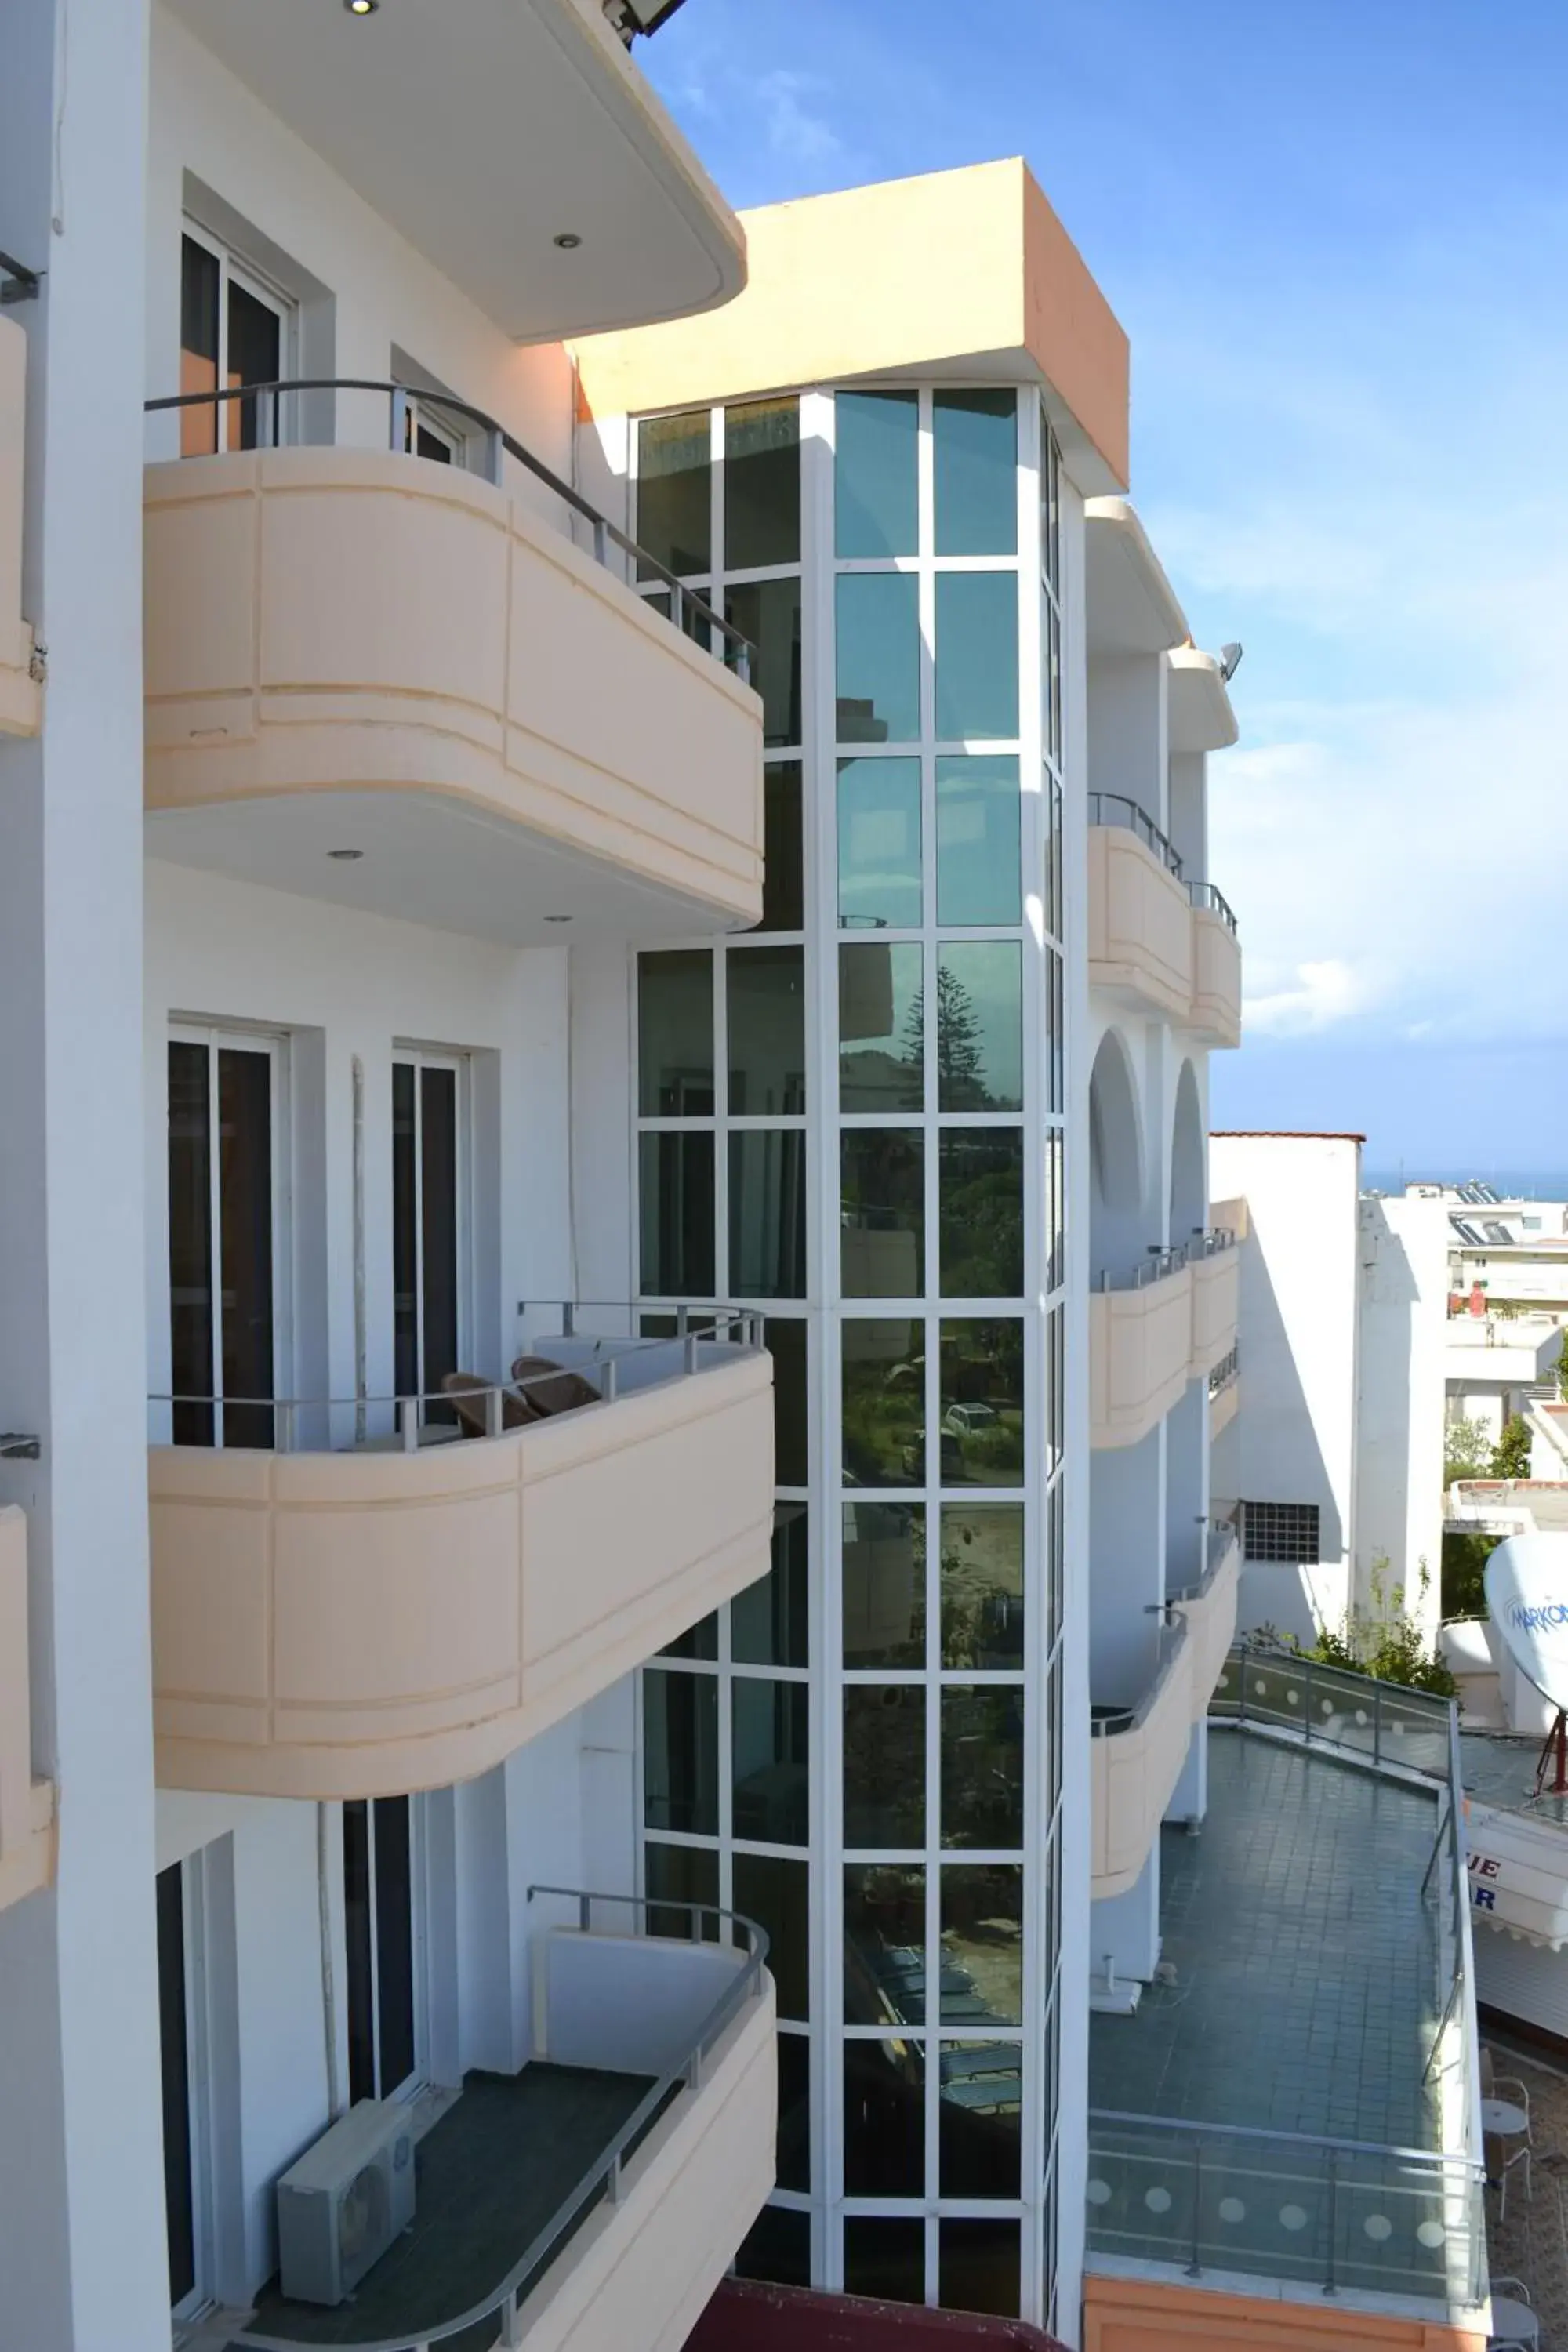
<point x="953" y="273"/>
<point x="1142" y="2315"/>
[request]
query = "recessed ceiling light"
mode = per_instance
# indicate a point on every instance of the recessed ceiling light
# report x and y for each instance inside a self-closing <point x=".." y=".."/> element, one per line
<point x="346" y="856"/>
<point x="362" y="7"/>
<point x="568" y="240"/>
<point x="558" y="919"/>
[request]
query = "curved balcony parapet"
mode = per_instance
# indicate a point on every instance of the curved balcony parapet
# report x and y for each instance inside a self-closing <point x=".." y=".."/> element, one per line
<point x="1136" y="1755"/>
<point x="381" y="1609"/>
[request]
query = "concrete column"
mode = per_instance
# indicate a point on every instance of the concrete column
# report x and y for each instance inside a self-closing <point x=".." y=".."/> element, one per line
<point x="82" y="2250"/>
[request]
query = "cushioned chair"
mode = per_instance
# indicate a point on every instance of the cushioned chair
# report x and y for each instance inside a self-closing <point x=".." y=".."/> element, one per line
<point x="548" y="1387"/>
<point x="470" y="1399"/>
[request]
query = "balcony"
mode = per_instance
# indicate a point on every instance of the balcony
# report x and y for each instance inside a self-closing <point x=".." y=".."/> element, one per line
<point x="1140" y="1346"/>
<point x="389" y="682"/>
<point x="1217" y="967"/>
<point x="1208" y="1609"/>
<point x="1216" y="1293"/>
<point x="26" y="1805"/>
<point x="1140" y="918"/>
<point x="1225" y="1392"/>
<point x="1136" y="1755"/>
<point x="369" y="1607"/>
<point x="595" y="2200"/>
<point x="21" y="697"/>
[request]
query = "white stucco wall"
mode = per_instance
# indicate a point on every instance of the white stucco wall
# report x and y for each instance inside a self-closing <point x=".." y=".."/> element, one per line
<point x="1293" y="1438"/>
<point x="1399" y="1434"/>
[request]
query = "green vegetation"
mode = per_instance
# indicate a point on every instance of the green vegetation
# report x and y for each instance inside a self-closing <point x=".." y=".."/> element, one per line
<point x="1383" y="1641"/>
<point x="1563" y="1367"/>
<point x="1466" y="1452"/>
<point x="1464" y="1557"/>
<point x="1511" y="1458"/>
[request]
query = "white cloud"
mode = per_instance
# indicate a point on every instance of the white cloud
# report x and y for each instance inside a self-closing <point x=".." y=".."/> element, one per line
<point x="797" y="131"/>
<point x="1320" y="996"/>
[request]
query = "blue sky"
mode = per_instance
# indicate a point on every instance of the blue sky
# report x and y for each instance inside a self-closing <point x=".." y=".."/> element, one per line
<point x="1338" y="238"/>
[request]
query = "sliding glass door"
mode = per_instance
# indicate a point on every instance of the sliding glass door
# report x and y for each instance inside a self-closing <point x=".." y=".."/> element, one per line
<point x="225" y="1198"/>
<point x="381" y="1924"/>
<point x="429" y="1224"/>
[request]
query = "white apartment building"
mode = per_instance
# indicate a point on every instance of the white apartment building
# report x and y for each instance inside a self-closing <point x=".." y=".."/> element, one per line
<point x="606" y="1569"/>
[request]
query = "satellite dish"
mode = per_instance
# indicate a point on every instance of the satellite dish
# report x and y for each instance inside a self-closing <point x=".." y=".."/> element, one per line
<point x="1526" y="1585"/>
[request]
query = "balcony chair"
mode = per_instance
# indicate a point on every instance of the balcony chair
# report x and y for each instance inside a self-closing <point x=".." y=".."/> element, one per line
<point x="1515" y="2326"/>
<point x="563" y="1393"/>
<point x="471" y="1401"/>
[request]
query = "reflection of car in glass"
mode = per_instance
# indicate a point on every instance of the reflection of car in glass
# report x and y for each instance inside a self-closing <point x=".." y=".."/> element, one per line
<point x="970" y="1420"/>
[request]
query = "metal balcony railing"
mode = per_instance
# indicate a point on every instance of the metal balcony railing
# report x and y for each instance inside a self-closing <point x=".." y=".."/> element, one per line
<point x="1225" y="1372"/>
<point x="269" y="408"/>
<point x="1204" y="896"/>
<point x="1115" y="808"/>
<point x="1168" y="1258"/>
<point x="582" y="1370"/>
<point x="1107" y="1722"/>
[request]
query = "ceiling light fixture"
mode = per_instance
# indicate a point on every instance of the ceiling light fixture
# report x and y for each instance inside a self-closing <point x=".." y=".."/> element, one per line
<point x="558" y="919"/>
<point x="345" y="856"/>
<point x="362" y="7"/>
<point x="568" y="240"/>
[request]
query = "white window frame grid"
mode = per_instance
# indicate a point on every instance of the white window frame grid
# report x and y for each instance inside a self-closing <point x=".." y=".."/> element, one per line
<point x="233" y="270"/>
<point x="232" y="1037"/>
<point x="420" y="1058"/>
<point x="819" y="756"/>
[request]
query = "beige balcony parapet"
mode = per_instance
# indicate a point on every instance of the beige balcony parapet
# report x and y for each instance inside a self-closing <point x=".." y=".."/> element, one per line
<point x="1140" y="918"/>
<point x="26" y="1805"/>
<point x="1216" y="969"/>
<point x="1216" y="1270"/>
<point x="1209" y="1609"/>
<point x="1136" y="1757"/>
<point x="21" y="697"/>
<point x="353" y="645"/>
<point x="1139" y="1350"/>
<point x="386" y="1618"/>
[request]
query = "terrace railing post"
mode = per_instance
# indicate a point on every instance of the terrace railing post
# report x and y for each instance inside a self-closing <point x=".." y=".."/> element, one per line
<point x="608" y="1386"/>
<point x="511" y="2321"/>
<point x="1241" y="1704"/>
<point x="584" y="1912"/>
<point x="408" y="1407"/>
<point x="397" y="419"/>
<point x="1329" y="2287"/>
<point x="492" y="1412"/>
<point x="1377" y="1721"/>
<point x="495" y="452"/>
<point x="612" y="2182"/>
<point x="1194" y="2267"/>
<point x="1307" y="1701"/>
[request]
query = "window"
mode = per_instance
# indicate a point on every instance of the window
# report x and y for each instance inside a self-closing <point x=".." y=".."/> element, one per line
<point x="429" y="1224"/>
<point x="1280" y="1531"/>
<point x="234" y="330"/>
<point x="383" y="1944"/>
<point x="227" y="1290"/>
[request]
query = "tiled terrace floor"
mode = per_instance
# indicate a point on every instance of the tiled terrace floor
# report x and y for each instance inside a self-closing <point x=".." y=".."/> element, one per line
<point x="1304" y="1961"/>
<point x="490" y="2175"/>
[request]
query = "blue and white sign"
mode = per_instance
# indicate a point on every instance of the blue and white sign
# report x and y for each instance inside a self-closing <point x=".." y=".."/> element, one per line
<point x="1526" y="1598"/>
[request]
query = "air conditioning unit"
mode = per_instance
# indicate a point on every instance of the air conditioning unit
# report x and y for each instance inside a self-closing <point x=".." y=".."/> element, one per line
<point x="340" y="2206"/>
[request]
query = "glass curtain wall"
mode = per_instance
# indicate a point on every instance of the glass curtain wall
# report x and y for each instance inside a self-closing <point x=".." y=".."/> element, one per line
<point x="865" y="1751"/>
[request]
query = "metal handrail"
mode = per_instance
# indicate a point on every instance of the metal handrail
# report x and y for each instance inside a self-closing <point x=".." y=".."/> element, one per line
<point x="734" y="1328"/>
<point x="1212" y="902"/>
<point x="1304" y="2140"/>
<point x="1225" y="1372"/>
<point x="603" y="2173"/>
<point x="269" y="399"/>
<point x="1168" y="1257"/>
<point x="1222" y="1540"/>
<point x="1136" y="820"/>
<point x="1172" y="1641"/>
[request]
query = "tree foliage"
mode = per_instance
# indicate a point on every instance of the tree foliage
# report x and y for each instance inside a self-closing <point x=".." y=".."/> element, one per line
<point x="1384" y="1639"/>
<point x="1510" y="1458"/>
<point x="1467" y="1453"/>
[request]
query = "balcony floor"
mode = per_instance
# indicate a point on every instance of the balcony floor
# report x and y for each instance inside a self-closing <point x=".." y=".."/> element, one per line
<point x="490" y="2174"/>
<point x="1304" y="1954"/>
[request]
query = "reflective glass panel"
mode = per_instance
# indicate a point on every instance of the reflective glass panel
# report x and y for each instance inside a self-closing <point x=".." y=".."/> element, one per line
<point x="761" y="484"/>
<point x="884" y="1585"/>
<point x="768" y="1620"/>
<point x="979" y="2135"/>
<point x="977" y="871"/>
<point x="983" y="1944"/>
<point x="978" y="2264"/>
<point x="884" y="1766"/>
<point x="981" y="1403"/>
<point x="699" y="1640"/>
<point x="879" y="687"/>
<point x="981" y="1178"/>
<point x="882" y="1212"/>
<point x="784" y="1338"/>
<point x="882" y="1027"/>
<point x="675" y="491"/>
<point x="767" y="1030"/>
<point x="777" y="1896"/>
<point x="674" y="1875"/>
<point x="793" y="2154"/>
<point x="767" y="613"/>
<point x="977" y="453"/>
<point x="876" y="494"/>
<point x="675" y="1034"/>
<point x="768" y="1738"/>
<point x="784" y="885"/>
<point x="983" y="1768"/>
<point x="677" y="1214"/>
<point x="976" y="655"/>
<point x="980" y="1025"/>
<point x="884" y="1404"/>
<point x="880" y="844"/>
<point x="884" y="1944"/>
<point x="777" y="2246"/>
<point x="681" y="1751"/>
<point x="767" y="1212"/>
<point x="982" y="1586"/>
<point x="884" y="2119"/>
<point x="885" y="2257"/>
